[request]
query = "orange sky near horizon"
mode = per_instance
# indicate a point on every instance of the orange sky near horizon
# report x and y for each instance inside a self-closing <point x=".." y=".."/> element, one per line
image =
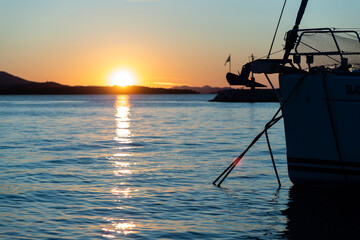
<point x="164" y="43"/>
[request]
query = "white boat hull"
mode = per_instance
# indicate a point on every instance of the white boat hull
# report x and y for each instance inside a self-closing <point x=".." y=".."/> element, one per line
<point x="322" y="128"/>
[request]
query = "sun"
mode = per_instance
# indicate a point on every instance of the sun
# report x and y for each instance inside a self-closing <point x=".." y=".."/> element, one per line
<point x="122" y="78"/>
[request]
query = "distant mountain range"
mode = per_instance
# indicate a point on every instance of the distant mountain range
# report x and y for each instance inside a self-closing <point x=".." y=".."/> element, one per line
<point x="10" y="84"/>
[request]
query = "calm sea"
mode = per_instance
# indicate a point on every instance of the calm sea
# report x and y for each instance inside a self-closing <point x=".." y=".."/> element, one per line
<point x="142" y="166"/>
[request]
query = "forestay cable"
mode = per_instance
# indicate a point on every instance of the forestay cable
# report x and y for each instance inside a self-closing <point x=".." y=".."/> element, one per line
<point x="277" y="27"/>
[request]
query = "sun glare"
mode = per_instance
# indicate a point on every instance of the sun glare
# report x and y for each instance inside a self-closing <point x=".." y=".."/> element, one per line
<point x="122" y="78"/>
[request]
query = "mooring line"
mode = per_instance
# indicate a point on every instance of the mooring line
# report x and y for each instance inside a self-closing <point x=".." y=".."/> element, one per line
<point x="272" y="158"/>
<point x="268" y="125"/>
<point x="237" y="160"/>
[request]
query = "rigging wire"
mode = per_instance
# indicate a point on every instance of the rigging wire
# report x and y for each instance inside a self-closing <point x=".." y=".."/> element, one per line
<point x="267" y="56"/>
<point x="277" y="27"/>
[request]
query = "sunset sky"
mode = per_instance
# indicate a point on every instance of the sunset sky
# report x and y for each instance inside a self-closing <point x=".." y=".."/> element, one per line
<point x="162" y="43"/>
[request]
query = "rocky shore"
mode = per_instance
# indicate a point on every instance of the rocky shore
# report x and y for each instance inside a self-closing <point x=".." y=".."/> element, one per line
<point x="246" y="95"/>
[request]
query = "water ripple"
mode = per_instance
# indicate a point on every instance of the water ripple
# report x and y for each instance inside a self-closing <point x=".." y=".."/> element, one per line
<point x="141" y="166"/>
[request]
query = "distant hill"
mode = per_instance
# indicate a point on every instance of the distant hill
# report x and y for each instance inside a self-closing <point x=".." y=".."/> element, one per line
<point x="10" y="84"/>
<point x="7" y="79"/>
<point x="204" y="89"/>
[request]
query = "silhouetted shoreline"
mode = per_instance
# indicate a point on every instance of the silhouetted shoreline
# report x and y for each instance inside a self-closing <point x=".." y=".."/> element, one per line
<point x="43" y="90"/>
<point x="246" y="95"/>
<point x="13" y="85"/>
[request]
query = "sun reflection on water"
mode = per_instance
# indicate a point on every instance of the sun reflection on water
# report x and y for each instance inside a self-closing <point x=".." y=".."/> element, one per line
<point x="124" y="228"/>
<point x="122" y="154"/>
<point x="122" y="119"/>
<point x="124" y="193"/>
<point x="122" y="172"/>
<point x="122" y="167"/>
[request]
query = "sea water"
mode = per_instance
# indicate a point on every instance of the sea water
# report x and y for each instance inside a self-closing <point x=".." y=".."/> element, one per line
<point x="142" y="167"/>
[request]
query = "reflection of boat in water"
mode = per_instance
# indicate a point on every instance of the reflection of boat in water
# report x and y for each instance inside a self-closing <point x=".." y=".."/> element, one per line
<point x="320" y="103"/>
<point x="315" y="213"/>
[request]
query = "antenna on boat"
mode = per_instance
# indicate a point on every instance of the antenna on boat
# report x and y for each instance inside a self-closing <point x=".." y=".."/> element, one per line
<point x="292" y="35"/>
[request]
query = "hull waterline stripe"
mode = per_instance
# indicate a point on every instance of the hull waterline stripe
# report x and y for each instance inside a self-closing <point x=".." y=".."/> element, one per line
<point x="332" y="163"/>
<point x="339" y="171"/>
